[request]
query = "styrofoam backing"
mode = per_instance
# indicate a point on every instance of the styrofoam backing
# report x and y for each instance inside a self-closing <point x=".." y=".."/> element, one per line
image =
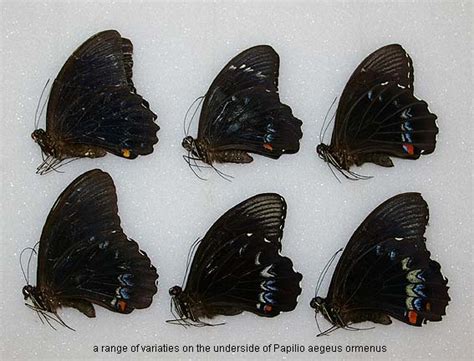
<point x="179" y="49"/>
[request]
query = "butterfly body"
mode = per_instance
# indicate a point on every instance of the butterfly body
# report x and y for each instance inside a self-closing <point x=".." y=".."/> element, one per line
<point x="201" y="150"/>
<point x="378" y="115"/>
<point x="93" y="107"/>
<point x="84" y="258"/>
<point x="386" y="272"/>
<point x="242" y="113"/>
<point x="59" y="150"/>
<point x="237" y="266"/>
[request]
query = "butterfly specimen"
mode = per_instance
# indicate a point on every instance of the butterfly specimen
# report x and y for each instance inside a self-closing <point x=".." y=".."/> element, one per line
<point x="237" y="266"/>
<point x="386" y="271"/>
<point x="378" y="116"/>
<point x="94" y="108"/>
<point x="84" y="258"/>
<point x="242" y="113"/>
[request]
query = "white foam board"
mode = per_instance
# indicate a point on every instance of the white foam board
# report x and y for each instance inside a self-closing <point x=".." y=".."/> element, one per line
<point x="179" y="49"/>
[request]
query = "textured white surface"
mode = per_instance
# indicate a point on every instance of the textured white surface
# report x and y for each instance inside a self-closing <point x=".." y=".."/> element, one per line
<point x="179" y="48"/>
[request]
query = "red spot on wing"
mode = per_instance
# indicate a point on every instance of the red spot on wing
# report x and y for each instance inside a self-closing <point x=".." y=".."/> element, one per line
<point x="267" y="308"/>
<point x="122" y="305"/>
<point x="412" y="317"/>
<point x="409" y="148"/>
<point x="268" y="146"/>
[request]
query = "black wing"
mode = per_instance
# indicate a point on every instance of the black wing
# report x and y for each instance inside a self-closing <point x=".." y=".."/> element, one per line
<point x="378" y="112"/>
<point x="84" y="256"/>
<point x="387" y="269"/>
<point x="237" y="265"/>
<point x="93" y="100"/>
<point x="242" y="108"/>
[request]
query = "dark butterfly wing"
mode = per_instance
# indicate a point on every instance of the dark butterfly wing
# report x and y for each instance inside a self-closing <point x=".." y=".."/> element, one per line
<point x="84" y="256"/>
<point x="378" y="112"/>
<point x="386" y="269"/>
<point x="242" y="108"/>
<point x="237" y="265"/>
<point x="93" y="100"/>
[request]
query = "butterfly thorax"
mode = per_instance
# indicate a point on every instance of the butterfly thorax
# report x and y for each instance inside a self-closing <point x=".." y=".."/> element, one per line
<point x="201" y="150"/>
<point x="56" y="148"/>
<point x="188" y="306"/>
<point x="330" y="312"/>
<point x="42" y="299"/>
<point x="338" y="158"/>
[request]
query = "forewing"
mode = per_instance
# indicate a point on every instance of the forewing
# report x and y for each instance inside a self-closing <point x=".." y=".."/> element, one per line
<point x="230" y="251"/>
<point x="388" y="119"/>
<point x="389" y="63"/>
<point x="247" y="273"/>
<point x="256" y="66"/>
<point x="93" y="100"/>
<point x="378" y="112"/>
<point x="386" y="267"/>
<point x="242" y="108"/>
<point x="84" y="254"/>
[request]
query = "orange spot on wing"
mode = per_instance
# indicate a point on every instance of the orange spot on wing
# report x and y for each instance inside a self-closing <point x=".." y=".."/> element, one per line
<point x="409" y="148"/>
<point x="267" y="308"/>
<point x="412" y="316"/>
<point x="268" y="146"/>
<point x="122" y="305"/>
<point x="126" y="153"/>
<point x="428" y="306"/>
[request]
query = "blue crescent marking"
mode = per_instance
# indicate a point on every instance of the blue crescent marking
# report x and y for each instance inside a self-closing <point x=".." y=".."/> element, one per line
<point x="418" y="303"/>
<point x="419" y="290"/>
<point x="124" y="293"/>
<point x="268" y="297"/>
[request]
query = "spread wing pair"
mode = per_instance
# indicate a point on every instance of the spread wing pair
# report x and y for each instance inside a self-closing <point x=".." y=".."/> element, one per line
<point x="242" y="113"/>
<point x="94" y="108"/>
<point x="84" y="257"/>
<point x="378" y="115"/>
<point x="237" y="266"/>
<point x="386" y="271"/>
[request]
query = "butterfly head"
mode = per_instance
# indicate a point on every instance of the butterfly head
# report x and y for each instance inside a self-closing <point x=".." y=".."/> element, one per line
<point x="330" y="313"/>
<point x="32" y="293"/>
<point x="190" y="144"/>
<point x="175" y="291"/>
<point x="180" y="302"/>
<point x="318" y="304"/>
<point x="28" y="290"/>
<point x="43" y="139"/>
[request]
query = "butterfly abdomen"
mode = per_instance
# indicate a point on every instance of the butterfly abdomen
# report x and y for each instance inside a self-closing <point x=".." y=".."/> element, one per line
<point x="230" y="156"/>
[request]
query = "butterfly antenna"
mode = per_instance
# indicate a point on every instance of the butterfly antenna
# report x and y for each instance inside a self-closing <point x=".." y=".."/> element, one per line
<point x="325" y="270"/>
<point x="38" y="105"/>
<point x="186" y="129"/>
<point x="33" y="251"/>
<point x="26" y="274"/>
<point x="189" y="258"/>
<point x="321" y="132"/>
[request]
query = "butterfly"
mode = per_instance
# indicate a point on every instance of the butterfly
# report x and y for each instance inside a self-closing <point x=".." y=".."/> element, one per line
<point x="242" y="113"/>
<point x="237" y="266"/>
<point x="378" y="116"/>
<point x="386" y="271"/>
<point x="94" y="108"/>
<point x="84" y="258"/>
